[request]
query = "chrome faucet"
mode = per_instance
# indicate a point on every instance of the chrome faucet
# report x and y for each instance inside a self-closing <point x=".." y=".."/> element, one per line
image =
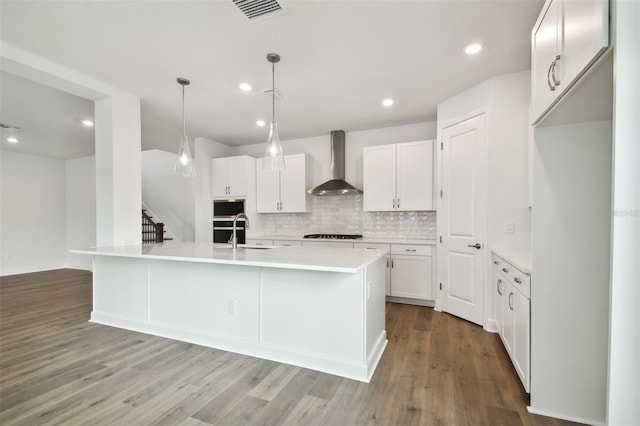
<point x="234" y="238"/>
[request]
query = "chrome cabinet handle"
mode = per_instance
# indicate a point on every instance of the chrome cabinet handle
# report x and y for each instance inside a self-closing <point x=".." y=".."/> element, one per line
<point x="398" y="206"/>
<point x="392" y="263"/>
<point x="410" y="250"/>
<point x="394" y="203"/>
<point x="505" y="270"/>
<point x="475" y="246"/>
<point x="387" y="263"/>
<point x="495" y="262"/>
<point x="518" y="280"/>
<point x="511" y="301"/>
<point x="553" y="71"/>
<point x="499" y="287"/>
<point x="552" y="87"/>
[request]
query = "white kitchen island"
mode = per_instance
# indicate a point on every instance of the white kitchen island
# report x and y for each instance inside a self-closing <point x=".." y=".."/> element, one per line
<point x="315" y="307"/>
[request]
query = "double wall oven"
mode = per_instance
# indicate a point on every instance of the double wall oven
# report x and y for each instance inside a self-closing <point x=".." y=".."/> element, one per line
<point x="224" y="211"/>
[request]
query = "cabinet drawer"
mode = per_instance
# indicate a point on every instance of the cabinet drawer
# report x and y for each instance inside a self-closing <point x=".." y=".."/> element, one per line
<point x="256" y="242"/>
<point x="372" y="246"/>
<point x="287" y="243"/>
<point x="521" y="281"/>
<point x="502" y="266"/>
<point x="411" y="249"/>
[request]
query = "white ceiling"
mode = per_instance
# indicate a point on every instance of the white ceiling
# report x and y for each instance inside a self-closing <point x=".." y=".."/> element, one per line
<point x="339" y="59"/>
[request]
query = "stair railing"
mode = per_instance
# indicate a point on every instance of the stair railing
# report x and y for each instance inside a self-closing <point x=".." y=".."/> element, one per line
<point x="152" y="232"/>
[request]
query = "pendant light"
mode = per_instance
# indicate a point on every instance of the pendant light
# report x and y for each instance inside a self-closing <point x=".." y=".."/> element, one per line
<point x="184" y="166"/>
<point x="273" y="157"/>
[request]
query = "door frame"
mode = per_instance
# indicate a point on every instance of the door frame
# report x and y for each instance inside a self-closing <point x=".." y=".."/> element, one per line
<point x="487" y="305"/>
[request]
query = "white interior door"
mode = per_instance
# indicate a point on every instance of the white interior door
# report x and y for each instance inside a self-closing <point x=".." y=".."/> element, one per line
<point x="463" y="218"/>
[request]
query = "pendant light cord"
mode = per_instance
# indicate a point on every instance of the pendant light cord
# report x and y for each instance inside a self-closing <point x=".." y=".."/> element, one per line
<point x="184" y="121"/>
<point x="273" y="92"/>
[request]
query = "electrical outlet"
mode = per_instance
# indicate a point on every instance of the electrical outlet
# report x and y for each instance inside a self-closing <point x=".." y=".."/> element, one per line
<point x="509" y="227"/>
<point x="233" y="306"/>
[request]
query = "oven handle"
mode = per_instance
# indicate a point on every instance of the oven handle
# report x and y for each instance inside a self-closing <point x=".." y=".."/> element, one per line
<point x="227" y="228"/>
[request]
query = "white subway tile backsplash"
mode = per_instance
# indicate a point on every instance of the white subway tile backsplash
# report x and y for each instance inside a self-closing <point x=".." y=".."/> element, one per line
<point x="342" y="214"/>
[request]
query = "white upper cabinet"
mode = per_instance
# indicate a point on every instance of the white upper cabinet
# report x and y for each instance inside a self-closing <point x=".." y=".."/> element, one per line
<point x="567" y="38"/>
<point x="229" y="176"/>
<point x="379" y="178"/>
<point x="398" y="177"/>
<point x="285" y="191"/>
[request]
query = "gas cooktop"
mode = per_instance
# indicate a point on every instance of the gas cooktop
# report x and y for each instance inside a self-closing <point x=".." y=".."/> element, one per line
<point x="334" y="236"/>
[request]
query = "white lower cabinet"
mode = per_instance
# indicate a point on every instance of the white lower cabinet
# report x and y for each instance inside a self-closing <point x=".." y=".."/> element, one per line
<point x="511" y="290"/>
<point x="409" y="270"/>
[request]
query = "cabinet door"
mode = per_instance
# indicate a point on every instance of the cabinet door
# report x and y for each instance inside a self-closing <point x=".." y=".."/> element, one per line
<point x="293" y="193"/>
<point x="414" y="176"/>
<point x="379" y="178"/>
<point x="237" y="177"/>
<point x="507" y="316"/>
<point x="521" y="326"/>
<point x="267" y="190"/>
<point x="497" y="281"/>
<point x="411" y="277"/>
<point x="585" y="35"/>
<point x="219" y="177"/>
<point x="545" y="40"/>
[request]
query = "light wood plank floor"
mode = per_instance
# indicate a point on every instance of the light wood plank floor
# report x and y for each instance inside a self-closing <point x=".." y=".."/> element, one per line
<point x="57" y="368"/>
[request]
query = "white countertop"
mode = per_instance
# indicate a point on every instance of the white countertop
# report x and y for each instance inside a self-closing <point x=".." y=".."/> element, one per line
<point x="518" y="257"/>
<point x="359" y="240"/>
<point x="349" y="260"/>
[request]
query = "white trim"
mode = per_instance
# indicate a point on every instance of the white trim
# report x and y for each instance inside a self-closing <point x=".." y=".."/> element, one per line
<point x="563" y="417"/>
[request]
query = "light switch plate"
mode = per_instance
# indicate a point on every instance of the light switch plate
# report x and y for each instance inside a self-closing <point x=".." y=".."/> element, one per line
<point x="509" y="227"/>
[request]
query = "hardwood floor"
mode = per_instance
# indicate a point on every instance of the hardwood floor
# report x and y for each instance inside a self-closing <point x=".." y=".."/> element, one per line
<point x="57" y="368"/>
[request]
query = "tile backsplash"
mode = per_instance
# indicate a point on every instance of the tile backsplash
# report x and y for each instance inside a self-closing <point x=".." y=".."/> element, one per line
<point x="342" y="214"/>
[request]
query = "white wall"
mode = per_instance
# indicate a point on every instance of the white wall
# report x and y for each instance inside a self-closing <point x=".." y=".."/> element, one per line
<point x="80" y="206"/>
<point x="169" y="199"/>
<point x="570" y="285"/>
<point x="204" y="150"/>
<point x="624" y="340"/>
<point x="33" y="213"/>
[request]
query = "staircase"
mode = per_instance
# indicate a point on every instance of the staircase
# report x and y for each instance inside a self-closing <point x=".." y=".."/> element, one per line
<point x="152" y="232"/>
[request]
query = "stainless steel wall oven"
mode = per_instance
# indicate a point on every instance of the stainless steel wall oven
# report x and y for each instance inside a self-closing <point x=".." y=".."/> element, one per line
<point x="224" y="212"/>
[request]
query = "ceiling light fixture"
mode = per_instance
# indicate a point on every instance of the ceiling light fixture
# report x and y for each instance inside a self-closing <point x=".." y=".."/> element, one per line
<point x="245" y="87"/>
<point x="87" y="123"/>
<point x="473" y="48"/>
<point x="387" y="102"/>
<point x="273" y="156"/>
<point x="12" y="139"/>
<point x="184" y="166"/>
<point x="260" y="123"/>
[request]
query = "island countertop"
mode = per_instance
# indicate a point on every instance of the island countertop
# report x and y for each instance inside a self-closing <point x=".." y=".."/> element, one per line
<point x="329" y="259"/>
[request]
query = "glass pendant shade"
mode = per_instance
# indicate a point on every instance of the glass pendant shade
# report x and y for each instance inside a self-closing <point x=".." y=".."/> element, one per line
<point x="184" y="166"/>
<point x="273" y="158"/>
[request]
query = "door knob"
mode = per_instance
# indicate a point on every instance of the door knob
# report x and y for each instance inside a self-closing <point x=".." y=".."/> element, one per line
<point x="476" y="246"/>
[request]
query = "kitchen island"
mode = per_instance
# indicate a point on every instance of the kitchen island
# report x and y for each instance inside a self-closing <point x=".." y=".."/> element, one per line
<point x="314" y="307"/>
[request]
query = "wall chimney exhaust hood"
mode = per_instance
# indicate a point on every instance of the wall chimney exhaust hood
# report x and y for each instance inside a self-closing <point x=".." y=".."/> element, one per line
<point x="337" y="185"/>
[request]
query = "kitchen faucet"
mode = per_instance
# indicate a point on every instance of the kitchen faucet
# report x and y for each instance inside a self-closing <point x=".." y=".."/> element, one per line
<point x="234" y="239"/>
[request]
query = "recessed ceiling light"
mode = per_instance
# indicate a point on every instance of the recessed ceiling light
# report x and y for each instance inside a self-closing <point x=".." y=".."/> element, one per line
<point x="473" y="48"/>
<point x="11" y="139"/>
<point x="87" y="123"/>
<point x="245" y="87"/>
<point x="260" y="123"/>
<point x="387" y="102"/>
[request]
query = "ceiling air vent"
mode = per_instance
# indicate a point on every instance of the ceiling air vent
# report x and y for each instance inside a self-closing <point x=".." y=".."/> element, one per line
<point x="255" y="10"/>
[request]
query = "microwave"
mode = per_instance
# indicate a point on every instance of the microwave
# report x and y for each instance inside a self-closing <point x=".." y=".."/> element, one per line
<point x="227" y="208"/>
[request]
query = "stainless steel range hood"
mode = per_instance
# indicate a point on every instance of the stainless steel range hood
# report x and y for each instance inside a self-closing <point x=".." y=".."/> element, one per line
<point x="337" y="185"/>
